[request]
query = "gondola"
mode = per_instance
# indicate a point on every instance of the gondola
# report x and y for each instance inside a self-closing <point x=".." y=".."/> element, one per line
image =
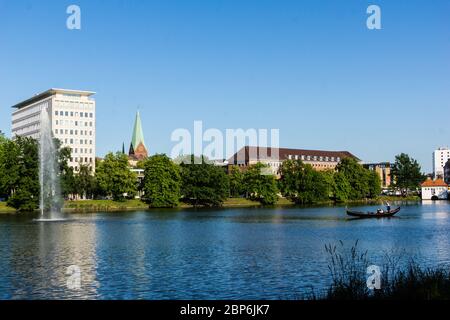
<point x="382" y="214"/>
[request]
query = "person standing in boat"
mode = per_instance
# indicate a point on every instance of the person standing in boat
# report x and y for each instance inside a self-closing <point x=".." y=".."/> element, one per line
<point x="388" y="206"/>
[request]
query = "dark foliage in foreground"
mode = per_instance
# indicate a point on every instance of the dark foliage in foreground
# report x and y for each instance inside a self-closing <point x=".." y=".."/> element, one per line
<point x="398" y="282"/>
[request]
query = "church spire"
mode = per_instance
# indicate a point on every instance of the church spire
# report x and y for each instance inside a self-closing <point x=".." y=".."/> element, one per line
<point x="137" y="146"/>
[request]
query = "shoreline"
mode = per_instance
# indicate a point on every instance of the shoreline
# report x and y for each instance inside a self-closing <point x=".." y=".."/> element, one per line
<point x="92" y="206"/>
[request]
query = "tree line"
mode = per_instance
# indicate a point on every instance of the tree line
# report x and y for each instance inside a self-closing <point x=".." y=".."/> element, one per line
<point x="166" y="183"/>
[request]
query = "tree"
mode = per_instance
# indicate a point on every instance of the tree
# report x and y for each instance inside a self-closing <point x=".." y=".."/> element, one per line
<point x="260" y="185"/>
<point x="407" y="173"/>
<point x="203" y="184"/>
<point x="85" y="183"/>
<point x="374" y="183"/>
<point x="302" y="184"/>
<point x="115" y="178"/>
<point x="356" y="176"/>
<point x="19" y="173"/>
<point x="162" y="182"/>
<point x="236" y="181"/>
<point x="341" y="188"/>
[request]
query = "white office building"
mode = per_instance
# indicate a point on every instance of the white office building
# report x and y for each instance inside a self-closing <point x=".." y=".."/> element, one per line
<point x="72" y="116"/>
<point x="440" y="158"/>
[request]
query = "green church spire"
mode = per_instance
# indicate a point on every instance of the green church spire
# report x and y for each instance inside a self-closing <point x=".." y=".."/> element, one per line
<point x="138" y="135"/>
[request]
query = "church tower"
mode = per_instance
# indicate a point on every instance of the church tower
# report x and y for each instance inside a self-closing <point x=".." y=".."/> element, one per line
<point x="138" y="150"/>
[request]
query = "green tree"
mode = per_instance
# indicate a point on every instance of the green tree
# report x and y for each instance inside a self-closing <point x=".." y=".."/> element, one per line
<point x="302" y="184"/>
<point x="162" y="182"/>
<point x="374" y="183"/>
<point x="115" y="178"/>
<point x="407" y="173"/>
<point x="19" y="178"/>
<point x="260" y="185"/>
<point x="203" y="184"/>
<point x="85" y="182"/>
<point x="341" y="188"/>
<point x="356" y="176"/>
<point x="236" y="181"/>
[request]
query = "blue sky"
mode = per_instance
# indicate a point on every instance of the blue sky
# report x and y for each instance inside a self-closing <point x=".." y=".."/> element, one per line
<point x="310" y="68"/>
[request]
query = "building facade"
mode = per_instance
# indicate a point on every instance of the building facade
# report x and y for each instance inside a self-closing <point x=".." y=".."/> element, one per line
<point x="383" y="169"/>
<point x="72" y="117"/>
<point x="447" y="172"/>
<point x="434" y="190"/>
<point x="274" y="157"/>
<point x="440" y="158"/>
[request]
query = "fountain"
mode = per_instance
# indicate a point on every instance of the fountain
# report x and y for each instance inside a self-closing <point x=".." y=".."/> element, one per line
<point x="51" y="201"/>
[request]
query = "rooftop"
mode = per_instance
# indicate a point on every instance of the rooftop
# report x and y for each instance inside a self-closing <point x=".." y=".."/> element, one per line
<point x="51" y="92"/>
<point x="261" y="153"/>
<point x="434" y="183"/>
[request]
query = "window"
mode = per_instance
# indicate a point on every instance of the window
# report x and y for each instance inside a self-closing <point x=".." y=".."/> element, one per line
<point x="76" y="123"/>
<point x="81" y="141"/>
<point x="91" y="115"/>
<point x="71" y="140"/>
<point x="61" y="113"/>
<point x="71" y="113"/>
<point x="56" y="113"/>
<point x="81" y="114"/>
<point x="67" y="113"/>
<point x="85" y="115"/>
<point x="71" y="131"/>
<point x="56" y="131"/>
<point x="90" y="123"/>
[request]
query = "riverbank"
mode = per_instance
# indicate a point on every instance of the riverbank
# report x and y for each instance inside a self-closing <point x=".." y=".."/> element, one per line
<point x="136" y="204"/>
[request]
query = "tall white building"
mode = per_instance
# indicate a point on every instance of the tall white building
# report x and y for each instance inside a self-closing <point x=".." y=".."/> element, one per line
<point x="72" y="116"/>
<point x="440" y="158"/>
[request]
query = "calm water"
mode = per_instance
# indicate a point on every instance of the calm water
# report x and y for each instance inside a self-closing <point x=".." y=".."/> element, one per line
<point x="204" y="254"/>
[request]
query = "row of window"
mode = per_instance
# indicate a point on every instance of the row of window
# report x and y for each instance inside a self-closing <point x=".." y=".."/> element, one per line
<point x="71" y="132"/>
<point x="76" y="141"/>
<point x="72" y="122"/>
<point x="82" y="151"/>
<point x="314" y="158"/>
<point x="72" y="113"/>
<point x="81" y="160"/>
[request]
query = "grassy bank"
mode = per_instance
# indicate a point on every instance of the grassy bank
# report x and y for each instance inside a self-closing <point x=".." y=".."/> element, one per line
<point x="5" y="209"/>
<point x="135" y="204"/>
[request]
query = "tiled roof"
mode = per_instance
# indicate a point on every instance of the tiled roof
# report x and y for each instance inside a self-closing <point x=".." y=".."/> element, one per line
<point x="266" y="153"/>
<point x="434" y="183"/>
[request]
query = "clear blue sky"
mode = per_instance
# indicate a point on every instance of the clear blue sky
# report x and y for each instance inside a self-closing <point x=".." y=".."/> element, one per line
<point x="310" y="68"/>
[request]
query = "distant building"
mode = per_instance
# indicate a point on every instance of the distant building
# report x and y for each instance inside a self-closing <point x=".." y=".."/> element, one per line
<point x="447" y="172"/>
<point x="274" y="157"/>
<point x="434" y="190"/>
<point x="383" y="169"/>
<point x="72" y="116"/>
<point x="138" y="150"/>
<point x="440" y="158"/>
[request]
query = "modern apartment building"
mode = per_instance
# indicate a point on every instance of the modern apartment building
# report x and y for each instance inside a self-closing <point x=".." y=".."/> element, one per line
<point x="440" y="158"/>
<point x="72" y="117"/>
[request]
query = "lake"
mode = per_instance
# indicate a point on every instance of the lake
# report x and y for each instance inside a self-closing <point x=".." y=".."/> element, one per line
<point x="237" y="253"/>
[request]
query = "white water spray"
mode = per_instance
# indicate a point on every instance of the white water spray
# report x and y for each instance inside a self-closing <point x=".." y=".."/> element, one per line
<point x="49" y="178"/>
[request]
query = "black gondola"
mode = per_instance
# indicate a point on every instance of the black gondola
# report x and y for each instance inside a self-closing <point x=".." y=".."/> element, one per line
<point x="378" y="214"/>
